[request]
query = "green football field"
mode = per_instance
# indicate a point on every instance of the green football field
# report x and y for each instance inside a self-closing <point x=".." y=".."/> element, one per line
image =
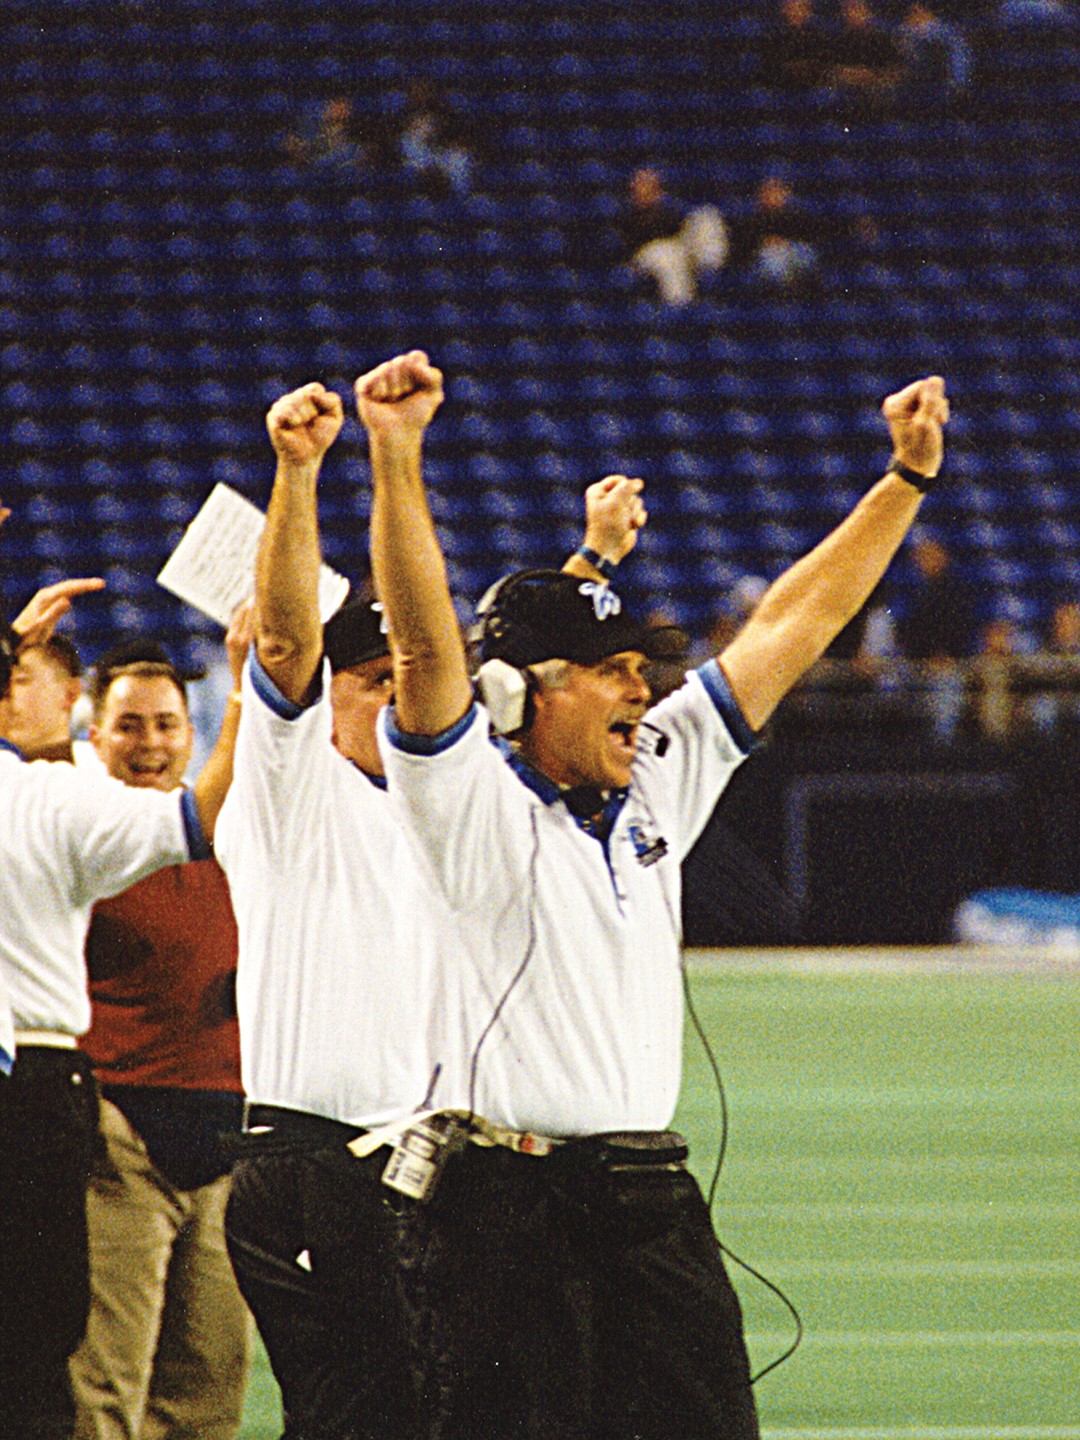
<point x="904" y="1162"/>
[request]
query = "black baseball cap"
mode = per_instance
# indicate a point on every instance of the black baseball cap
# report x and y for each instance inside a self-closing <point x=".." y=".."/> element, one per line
<point x="355" y="633"/>
<point x="536" y="615"/>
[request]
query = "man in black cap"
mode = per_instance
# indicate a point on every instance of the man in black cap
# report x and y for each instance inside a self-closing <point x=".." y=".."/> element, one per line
<point x="341" y="944"/>
<point x="563" y="1276"/>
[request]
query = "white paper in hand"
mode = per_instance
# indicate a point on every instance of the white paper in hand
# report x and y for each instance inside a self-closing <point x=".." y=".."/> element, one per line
<point x="213" y="567"/>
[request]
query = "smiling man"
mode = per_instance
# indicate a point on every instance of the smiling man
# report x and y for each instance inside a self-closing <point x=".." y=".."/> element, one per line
<point x="167" y="1340"/>
<point x="564" y="1277"/>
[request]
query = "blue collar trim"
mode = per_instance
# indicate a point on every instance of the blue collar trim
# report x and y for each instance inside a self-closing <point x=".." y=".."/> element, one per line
<point x="549" y="793"/>
<point x="7" y="745"/>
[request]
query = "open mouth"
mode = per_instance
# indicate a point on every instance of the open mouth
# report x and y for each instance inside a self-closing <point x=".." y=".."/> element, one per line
<point x="148" y="771"/>
<point x="625" y="733"/>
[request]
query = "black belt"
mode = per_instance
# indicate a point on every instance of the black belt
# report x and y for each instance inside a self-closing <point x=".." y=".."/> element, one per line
<point x="298" y="1126"/>
<point x="630" y="1150"/>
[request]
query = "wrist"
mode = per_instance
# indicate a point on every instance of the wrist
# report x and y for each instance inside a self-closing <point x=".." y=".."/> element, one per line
<point x="918" y="478"/>
<point x="598" y="561"/>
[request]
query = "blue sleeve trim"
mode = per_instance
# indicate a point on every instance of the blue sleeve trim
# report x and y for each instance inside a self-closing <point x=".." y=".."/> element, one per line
<point x="272" y="697"/>
<point x="427" y="744"/>
<point x="7" y="1062"/>
<point x="197" y="843"/>
<point x="719" y="692"/>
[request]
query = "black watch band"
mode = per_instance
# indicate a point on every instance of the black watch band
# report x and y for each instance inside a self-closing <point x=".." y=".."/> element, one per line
<point x="913" y="477"/>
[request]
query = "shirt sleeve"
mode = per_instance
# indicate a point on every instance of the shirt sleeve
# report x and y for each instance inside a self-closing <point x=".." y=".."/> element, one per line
<point x="114" y="834"/>
<point x="282" y="752"/>
<point x="689" y="746"/>
<point x="465" y="812"/>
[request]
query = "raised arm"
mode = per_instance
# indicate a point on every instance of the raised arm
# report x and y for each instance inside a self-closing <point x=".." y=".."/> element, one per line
<point x="614" y="513"/>
<point x="288" y="631"/>
<point x="807" y="607"/>
<point x="396" y="402"/>
<point x="215" y="777"/>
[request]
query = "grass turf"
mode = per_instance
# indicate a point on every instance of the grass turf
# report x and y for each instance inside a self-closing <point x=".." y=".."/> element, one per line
<point x="904" y="1161"/>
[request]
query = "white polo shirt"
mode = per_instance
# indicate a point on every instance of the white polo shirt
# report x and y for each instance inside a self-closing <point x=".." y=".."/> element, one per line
<point x="68" y="838"/>
<point x="574" y="957"/>
<point x="335" y="971"/>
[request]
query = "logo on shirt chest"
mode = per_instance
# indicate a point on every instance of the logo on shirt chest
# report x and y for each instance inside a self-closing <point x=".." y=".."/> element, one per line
<point x="649" y="847"/>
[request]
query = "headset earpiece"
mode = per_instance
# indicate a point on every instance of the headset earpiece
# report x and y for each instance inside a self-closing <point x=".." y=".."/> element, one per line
<point x="507" y="695"/>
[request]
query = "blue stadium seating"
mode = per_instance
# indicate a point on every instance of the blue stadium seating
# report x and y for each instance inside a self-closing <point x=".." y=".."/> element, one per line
<point x="166" y="273"/>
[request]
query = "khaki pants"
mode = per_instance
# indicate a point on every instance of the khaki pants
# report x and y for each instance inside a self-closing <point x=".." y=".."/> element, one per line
<point x="168" y="1340"/>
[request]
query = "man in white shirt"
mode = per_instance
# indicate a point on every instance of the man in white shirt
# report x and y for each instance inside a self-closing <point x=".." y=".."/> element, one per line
<point x="338" y="952"/>
<point x="566" y="1279"/>
<point x="67" y="838"/>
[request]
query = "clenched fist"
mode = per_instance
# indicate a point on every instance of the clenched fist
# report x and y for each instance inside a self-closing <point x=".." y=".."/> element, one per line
<point x="305" y="423"/>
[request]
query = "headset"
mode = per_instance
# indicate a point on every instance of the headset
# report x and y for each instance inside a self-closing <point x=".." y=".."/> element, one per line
<point x="508" y="692"/>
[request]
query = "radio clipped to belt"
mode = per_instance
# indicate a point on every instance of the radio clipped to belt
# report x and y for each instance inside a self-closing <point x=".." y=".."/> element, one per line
<point x="423" y="1152"/>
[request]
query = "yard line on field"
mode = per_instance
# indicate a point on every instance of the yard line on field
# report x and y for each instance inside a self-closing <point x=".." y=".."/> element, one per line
<point x="924" y="1339"/>
<point x="890" y="1098"/>
<point x="927" y="1432"/>
<point x="930" y="1269"/>
<point x="959" y="1213"/>
<point x="824" y="1166"/>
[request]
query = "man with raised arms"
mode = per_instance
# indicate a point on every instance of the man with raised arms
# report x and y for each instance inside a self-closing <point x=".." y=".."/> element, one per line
<point x="565" y="1280"/>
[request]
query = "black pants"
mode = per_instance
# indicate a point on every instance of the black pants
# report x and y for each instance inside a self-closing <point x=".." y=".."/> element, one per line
<point x="557" y="1300"/>
<point x="310" y="1237"/>
<point x="48" y="1131"/>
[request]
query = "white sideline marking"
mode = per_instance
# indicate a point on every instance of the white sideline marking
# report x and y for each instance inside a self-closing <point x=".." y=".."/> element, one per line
<point x="986" y="960"/>
<point x="928" y="1432"/>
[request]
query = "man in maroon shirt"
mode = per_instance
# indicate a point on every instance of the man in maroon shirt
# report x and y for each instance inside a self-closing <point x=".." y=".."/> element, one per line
<point x="167" y="1343"/>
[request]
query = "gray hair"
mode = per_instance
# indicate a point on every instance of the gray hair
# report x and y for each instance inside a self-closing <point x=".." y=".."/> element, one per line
<point x="550" y="674"/>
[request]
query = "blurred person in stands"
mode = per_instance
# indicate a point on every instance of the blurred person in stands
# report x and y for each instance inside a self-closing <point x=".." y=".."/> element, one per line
<point x="666" y="242"/>
<point x="1061" y="703"/>
<point x="435" y="145"/>
<point x="68" y="837"/>
<point x="938" y="631"/>
<point x="779" y="243"/>
<point x="334" y="143"/>
<point x="738" y="605"/>
<point x="937" y="58"/>
<point x="865" y="62"/>
<point x="168" y="1337"/>
<point x="1064" y="636"/>
<point x="1001" y="711"/>
<point x="795" y="50"/>
<point x="35" y="714"/>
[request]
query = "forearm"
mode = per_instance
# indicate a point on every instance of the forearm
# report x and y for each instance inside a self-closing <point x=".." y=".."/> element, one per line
<point x="288" y="631"/>
<point x="431" y="684"/>
<point x="214" y="779"/>
<point x="807" y="607"/>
